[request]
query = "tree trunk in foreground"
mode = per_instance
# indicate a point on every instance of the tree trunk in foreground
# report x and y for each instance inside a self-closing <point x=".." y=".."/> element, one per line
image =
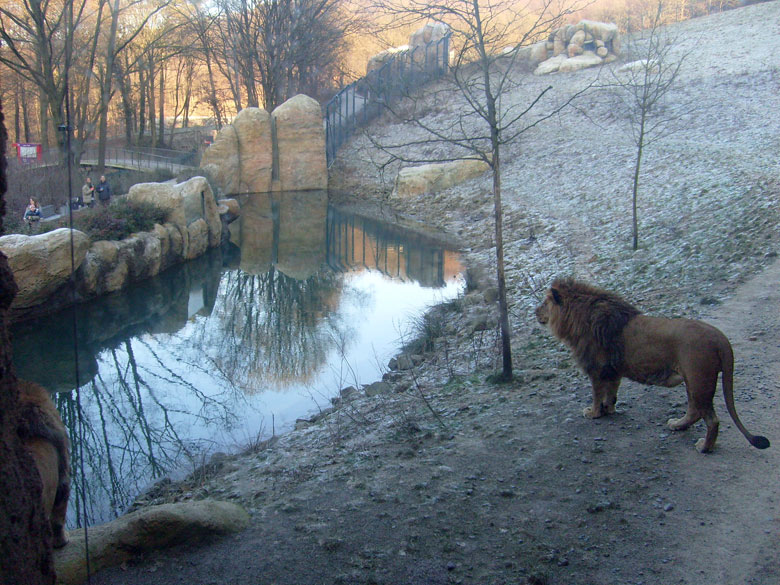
<point x="25" y="539"/>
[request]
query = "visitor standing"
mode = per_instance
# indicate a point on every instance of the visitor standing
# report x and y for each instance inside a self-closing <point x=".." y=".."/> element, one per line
<point x="103" y="191"/>
<point x="32" y="212"/>
<point x="88" y="193"/>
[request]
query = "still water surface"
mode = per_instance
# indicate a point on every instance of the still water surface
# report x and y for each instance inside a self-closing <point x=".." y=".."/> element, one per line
<point x="234" y="346"/>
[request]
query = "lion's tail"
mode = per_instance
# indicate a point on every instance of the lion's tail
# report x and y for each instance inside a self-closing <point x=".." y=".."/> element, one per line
<point x="727" y="363"/>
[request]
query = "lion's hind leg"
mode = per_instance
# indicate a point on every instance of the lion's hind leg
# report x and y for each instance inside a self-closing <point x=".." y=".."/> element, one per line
<point x="701" y="391"/>
<point x="707" y="443"/>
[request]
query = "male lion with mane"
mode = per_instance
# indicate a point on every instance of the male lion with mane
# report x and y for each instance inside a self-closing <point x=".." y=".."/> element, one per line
<point x="611" y="339"/>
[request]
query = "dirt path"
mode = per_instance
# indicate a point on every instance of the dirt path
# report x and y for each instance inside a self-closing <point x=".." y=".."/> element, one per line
<point x="745" y="533"/>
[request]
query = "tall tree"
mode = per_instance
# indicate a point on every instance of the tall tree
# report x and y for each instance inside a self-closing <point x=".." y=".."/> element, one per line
<point x="34" y="36"/>
<point x="281" y="47"/>
<point x="115" y="44"/>
<point x="484" y="77"/>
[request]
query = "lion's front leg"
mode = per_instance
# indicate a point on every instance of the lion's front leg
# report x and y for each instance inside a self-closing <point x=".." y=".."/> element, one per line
<point x="604" y="397"/>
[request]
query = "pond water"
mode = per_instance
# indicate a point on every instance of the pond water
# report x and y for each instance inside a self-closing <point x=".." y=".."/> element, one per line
<point x="233" y="347"/>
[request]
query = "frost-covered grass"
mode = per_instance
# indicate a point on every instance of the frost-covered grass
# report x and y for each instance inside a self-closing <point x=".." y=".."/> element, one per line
<point x="709" y="199"/>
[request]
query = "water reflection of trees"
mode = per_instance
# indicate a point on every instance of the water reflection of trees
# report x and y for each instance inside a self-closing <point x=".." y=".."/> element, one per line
<point x="132" y="408"/>
<point x="273" y="329"/>
<point x="133" y="418"/>
<point x="168" y="365"/>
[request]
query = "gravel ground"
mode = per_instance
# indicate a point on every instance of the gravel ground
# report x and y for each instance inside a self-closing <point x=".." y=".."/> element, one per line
<point x="445" y="478"/>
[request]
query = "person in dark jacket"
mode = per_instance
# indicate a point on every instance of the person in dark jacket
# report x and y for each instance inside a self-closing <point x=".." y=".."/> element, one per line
<point x="103" y="191"/>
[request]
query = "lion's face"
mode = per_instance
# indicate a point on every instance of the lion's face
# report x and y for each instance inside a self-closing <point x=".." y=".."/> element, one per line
<point x="549" y="305"/>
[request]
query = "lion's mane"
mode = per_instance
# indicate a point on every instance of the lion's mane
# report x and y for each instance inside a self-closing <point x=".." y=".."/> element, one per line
<point x="590" y="321"/>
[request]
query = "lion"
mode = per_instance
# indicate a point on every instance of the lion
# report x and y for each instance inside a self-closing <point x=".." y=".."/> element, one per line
<point x="611" y="339"/>
<point x="45" y="437"/>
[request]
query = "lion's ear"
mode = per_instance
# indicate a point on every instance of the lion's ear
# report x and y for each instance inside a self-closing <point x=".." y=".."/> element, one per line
<point x="556" y="296"/>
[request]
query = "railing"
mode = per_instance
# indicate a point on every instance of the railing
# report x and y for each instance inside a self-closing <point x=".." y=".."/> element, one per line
<point x="125" y="157"/>
<point x="367" y="97"/>
<point x="136" y="158"/>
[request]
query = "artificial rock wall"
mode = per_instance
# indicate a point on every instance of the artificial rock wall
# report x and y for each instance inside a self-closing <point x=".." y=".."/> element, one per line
<point x="266" y="153"/>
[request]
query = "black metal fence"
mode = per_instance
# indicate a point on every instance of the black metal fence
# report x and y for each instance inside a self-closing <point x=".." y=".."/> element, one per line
<point x="367" y="97"/>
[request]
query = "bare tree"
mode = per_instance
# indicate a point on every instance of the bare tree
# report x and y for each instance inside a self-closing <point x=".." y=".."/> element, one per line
<point x="485" y="78"/>
<point x="280" y="47"/>
<point x="645" y="85"/>
<point x="116" y="42"/>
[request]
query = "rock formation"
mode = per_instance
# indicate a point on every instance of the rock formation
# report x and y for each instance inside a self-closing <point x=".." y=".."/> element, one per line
<point x="42" y="264"/>
<point x="300" y="143"/>
<point x="264" y="153"/>
<point x="423" y="55"/>
<point x="377" y="61"/>
<point x="430" y="178"/>
<point x="573" y="47"/>
<point x="241" y="158"/>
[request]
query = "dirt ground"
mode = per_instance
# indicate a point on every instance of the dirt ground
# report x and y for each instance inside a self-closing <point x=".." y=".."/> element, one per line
<point x="510" y="484"/>
<point x="443" y="477"/>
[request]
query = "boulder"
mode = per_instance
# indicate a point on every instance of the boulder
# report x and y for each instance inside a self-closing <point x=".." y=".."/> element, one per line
<point x="430" y="33"/>
<point x="577" y="39"/>
<point x="233" y="207"/>
<point x="430" y="178"/>
<point x="241" y="157"/>
<point x="425" y="56"/>
<point x="199" y="202"/>
<point x="144" y="255"/>
<point x="604" y="31"/>
<point x="377" y="61"/>
<point x="102" y="271"/>
<point x="639" y="67"/>
<point x="573" y="50"/>
<point x="551" y="65"/>
<point x="146" y="530"/>
<point x="378" y="389"/>
<point x="41" y="264"/>
<point x="300" y="140"/>
<point x="184" y="203"/>
<point x="538" y="53"/>
<point x="197" y="239"/>
<point x="559" y="42"/>
<point x="587" y="59"/>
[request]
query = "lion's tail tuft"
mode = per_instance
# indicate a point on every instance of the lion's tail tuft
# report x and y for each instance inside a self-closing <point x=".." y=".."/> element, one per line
<point x="759" y="442"/>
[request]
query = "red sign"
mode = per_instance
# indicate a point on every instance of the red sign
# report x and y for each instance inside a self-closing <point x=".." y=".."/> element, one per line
<point x="27" y="153"/>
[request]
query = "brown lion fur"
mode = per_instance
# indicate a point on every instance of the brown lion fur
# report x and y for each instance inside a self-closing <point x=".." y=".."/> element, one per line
<point x="43" y="433"/>
<point x="591" y="322"/>
<point x="611" y="339"/>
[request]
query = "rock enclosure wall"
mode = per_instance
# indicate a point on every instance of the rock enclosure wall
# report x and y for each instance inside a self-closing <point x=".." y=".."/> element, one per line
<point x="264" y="153"/>
<point x="42" y="264"/>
